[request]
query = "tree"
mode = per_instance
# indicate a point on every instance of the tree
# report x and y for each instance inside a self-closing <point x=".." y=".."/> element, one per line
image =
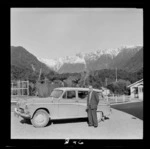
<point x="119" y="87"/>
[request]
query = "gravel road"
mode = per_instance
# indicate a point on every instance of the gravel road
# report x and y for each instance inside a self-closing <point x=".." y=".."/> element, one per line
<point x="120" y="126"/>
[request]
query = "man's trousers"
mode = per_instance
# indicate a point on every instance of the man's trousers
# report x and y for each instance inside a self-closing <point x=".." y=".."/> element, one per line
<point x="92" y="116"/>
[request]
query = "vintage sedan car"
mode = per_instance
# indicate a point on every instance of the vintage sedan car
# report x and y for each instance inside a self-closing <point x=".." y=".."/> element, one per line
<point x="63" y="103"/>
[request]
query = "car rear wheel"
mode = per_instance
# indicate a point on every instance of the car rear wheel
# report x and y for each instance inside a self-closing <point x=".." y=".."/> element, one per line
<point x="40" y="118"/>
<point x="99" y="116"/>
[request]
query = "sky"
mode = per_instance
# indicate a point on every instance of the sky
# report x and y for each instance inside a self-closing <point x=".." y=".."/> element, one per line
<point x="58" y="32"/>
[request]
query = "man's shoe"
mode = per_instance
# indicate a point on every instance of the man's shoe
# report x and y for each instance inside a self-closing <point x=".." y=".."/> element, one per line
<point x="90" y="125"/>
<point x="95" y="126"/>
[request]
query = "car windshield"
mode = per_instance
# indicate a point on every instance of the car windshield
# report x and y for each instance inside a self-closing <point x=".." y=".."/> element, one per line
<point x="56" y="93"/>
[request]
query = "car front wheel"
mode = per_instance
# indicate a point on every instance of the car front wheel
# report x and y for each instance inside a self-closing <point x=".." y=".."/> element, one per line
<point x="40" y="118"/>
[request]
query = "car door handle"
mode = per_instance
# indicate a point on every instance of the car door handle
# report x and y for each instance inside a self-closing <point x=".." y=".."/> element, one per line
<point x="76" y="100"/>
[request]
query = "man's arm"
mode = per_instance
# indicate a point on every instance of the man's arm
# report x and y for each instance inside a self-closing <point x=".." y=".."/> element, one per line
<point x="87" y="102"/>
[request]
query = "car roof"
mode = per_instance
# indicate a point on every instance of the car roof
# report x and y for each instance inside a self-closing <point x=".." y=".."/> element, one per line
<point x="76" y="88"/>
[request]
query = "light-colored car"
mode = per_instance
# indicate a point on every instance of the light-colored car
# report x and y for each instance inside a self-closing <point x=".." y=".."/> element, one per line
<point x="63" y="103"/>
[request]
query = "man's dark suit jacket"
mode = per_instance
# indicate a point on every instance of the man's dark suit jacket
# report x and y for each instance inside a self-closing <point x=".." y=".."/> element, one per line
<point x="94" y="100"/>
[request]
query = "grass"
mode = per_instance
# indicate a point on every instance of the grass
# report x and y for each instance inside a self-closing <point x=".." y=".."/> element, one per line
<point x="135" y="109"/>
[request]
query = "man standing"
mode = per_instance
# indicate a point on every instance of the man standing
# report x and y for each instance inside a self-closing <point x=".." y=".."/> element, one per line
<point x="92" y="102"/>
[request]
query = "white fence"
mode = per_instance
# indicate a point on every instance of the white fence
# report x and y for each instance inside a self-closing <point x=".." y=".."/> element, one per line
<point x="120" y="99"/>
<point x="19" y="88"/>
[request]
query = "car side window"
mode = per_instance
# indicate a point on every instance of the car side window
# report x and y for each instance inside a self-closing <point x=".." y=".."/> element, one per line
<point x="69" y="95"/>
<point x="82" y="94"/>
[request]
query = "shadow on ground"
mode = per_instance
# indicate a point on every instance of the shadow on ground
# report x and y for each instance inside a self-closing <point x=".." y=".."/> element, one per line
<point x="26" y="121"/>
<point x="75" y="120"/>
<point x="62" y="121"/>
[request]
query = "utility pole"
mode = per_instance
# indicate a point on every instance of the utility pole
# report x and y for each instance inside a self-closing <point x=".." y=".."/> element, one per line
<point x="116" y="74"/>
<point x="85" y="73"/>
<point x="40" y="74"/>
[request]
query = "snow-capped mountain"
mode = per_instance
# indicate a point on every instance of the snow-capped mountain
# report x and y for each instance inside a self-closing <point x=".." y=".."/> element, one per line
<point x="56" y="64"/>
<point x="96" y="60"/>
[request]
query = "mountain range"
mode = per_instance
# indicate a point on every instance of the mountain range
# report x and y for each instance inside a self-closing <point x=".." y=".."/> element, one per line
<point x="22" y="59"/>
<point x="128" y="58"/>
<point x="135" y="63"/>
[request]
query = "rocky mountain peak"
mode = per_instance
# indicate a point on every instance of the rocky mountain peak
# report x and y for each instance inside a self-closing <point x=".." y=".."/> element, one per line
<point x="99" y="59"/>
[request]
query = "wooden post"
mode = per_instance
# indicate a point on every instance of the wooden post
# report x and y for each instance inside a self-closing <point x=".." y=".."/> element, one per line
<point x="116" y="74"/>
<point x="18" y="87"/>
<point x="28" y="87"/>
<point x="113" y="97"/>
<point x="123" y="98"/>
<point x="130" y="98"/>
<point x="40" y="74"/>
<point x="21" y="91"/>
<point x="116" y="98"/>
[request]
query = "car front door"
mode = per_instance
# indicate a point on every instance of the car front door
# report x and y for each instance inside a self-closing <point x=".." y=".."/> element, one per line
<point x="68" y="105"/>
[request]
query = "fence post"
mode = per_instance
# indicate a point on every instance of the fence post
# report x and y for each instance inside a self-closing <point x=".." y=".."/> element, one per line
<point x="116" y="98"/>
<point x="28" y="88"/>
<point x="130" y="97"/>
<point x="18" y="87"/>
<point x="21" y="90"/>
<point x="123" y="98"/>
<point x="113" y="97"/>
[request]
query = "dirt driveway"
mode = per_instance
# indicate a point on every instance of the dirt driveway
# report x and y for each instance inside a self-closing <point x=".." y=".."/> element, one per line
<point x="119" y="126"/>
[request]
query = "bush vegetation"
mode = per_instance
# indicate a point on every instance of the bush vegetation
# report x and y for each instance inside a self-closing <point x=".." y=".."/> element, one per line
<point x="98" y="78"/>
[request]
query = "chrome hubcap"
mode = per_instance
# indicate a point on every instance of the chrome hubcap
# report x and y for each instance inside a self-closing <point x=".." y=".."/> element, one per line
<point x="40" y="118"/>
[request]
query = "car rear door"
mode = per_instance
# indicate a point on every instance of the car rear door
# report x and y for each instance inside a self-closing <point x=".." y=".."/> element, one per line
<point x="68" y="105"/>
<point x="82" y="98"/>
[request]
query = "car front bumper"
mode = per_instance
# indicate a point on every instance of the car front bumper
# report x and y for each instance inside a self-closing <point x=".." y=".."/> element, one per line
<point x="18" y="113"/>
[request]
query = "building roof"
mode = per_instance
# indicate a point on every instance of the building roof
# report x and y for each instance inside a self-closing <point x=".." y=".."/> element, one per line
<point x="136" y="83"/>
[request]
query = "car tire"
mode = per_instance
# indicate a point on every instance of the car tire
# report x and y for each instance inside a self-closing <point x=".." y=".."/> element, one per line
<point x="99" y="116"/>
<point x="40" y="118"/>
